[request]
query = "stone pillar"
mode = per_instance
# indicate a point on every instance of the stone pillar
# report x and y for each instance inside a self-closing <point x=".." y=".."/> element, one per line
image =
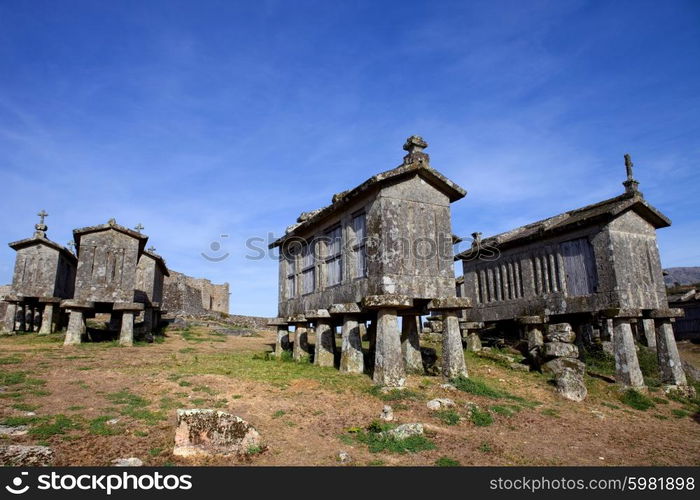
<point x="649" y="331"/>
<point x="325" y="343"/>
<point x="351" y="358"/>
<point x="627" y="370"/>
<point x="410" y="344"/>
<point x="29" y="318"/>
<point x="300" y="350"/>
<point x="534" y="336"/>
<point x="388" y="363"/>
<point x="76" y="327"/>
<point x="453" y="363"/>
<point x="670" y="365"/>
<point x="129" y="312"/>
<point x="47" y="319"/>
<point x="282" y="339"/>
<point x="8" y="324"/>
<point x="21" y="321"/>
<point x="324" y="348"/>
<point x="126" y="334"/>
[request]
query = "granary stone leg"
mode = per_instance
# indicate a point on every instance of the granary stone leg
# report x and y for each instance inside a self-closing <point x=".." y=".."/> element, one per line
<point x="626" y="363"/>
<point x="351" y="358"/>
<point x="37" y="318"/>
<point x="301" y="342"/>
<point x="282" y="342"/>
<point x="649" y="328"/>
<point x="29" y="318"/>
<point x="670" y="365"/>
<point x="21" y="320"/>
<point x="453" y="363"/>
<point x="324" y="354"/>
<point x="388" y="363"/>
<point x="410" y="344"/>
<point x="126" y="335"/>
<point x="76" y="327"/>
<point x="8" y="324"/>
<point x="47" y="319"/>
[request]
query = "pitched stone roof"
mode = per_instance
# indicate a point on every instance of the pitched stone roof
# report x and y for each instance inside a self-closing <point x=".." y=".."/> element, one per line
<point x="159" y="260"/>
<point x="340" y="200"/>
<point x="112" y="224"/>
<point x="43" y="240"/>
<point x="591" y="214"/>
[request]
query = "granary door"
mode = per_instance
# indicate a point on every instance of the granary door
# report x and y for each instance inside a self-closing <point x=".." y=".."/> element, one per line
<point x="579" y="266"/>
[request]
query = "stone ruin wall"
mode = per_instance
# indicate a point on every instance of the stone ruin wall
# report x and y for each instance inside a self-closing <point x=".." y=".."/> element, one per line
<point x="185" y="295"/>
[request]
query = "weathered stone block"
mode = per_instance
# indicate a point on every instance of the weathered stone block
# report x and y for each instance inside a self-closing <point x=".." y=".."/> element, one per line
<point x="559" y="350"/>
<point x="213" y="432"/>
<point x="570" y="386"/>
<point x="558" y="366"/>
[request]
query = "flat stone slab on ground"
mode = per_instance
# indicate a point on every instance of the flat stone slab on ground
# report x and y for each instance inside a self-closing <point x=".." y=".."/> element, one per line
<point x="406" y="430"/>
<point x="127" y="462"/>
<point x="16" y="455"/>
<point x="16" y="430"/>
<point x="213" y="432"/>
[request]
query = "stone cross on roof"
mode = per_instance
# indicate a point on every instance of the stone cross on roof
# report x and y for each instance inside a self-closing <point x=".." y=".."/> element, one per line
<point x="414" y="146"/>
<point x="631" y="184"/>
<point x="42" y="214"/>
<point x="139" y="227"/>
<point x="71" y="245"/>
<point x="151" y="249"/>
<point x="41" y="227"/>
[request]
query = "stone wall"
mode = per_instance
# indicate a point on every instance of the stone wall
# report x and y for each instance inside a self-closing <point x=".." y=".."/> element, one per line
<point x="185" y="295"/>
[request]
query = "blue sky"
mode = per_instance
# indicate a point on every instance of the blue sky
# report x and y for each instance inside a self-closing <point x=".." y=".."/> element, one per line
<point x="205" y="118"/>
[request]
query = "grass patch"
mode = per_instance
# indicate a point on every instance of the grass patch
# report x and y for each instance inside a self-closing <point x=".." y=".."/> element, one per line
<point x="479" y="387"/>
<point x="56" y="425"/>
<point x="449" y="417"/>
<point x="481" y="418"/>
<point x="610" y="405"/>
<point x="377" y="438"/>
<point x="140" y="434"/>
<point x="154" y="452"/>
<point x="485" y="448"/>
<point x="506" y="411"/>
<point x="649" y="365"/>
<point x="76" y="408"/>
<point x="550" y="412"/>
<point x="127" y="398"/>
<point x="100" y="427"/>
<point x="278" y="414"/>
<point x="447" y="462"/>
<point x="10" y="360"/>
<point x="15" y="421"/>
<point x="636" y="400"/>
<point x="680" y="413"/>
<point x="24" y="406"/>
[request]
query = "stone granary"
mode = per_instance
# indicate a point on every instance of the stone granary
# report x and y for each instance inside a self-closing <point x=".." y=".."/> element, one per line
<point x="380" y="251"/>
<point x="687" y="327"/>
<point x="106" y="279"/>
<point x="150" y="274"/>
<point x="596" y="267"/>
<point x="43" y="275"/>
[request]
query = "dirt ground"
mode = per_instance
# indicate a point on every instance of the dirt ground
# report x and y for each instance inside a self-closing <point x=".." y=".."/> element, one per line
<point x="304" y="412"/>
